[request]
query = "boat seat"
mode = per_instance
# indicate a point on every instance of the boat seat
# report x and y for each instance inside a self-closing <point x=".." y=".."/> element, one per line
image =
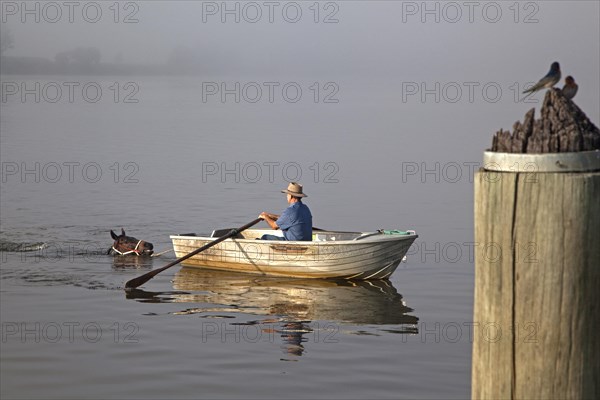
<point x="222" y="232"/>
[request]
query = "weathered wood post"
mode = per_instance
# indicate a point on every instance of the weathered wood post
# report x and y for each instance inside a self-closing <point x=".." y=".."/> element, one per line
<point x="537" y="261"/>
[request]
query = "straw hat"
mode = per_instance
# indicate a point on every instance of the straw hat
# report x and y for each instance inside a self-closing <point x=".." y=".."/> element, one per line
<point x="294" y="189"/>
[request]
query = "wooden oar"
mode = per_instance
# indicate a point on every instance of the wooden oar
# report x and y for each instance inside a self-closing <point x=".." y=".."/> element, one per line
<point x="140" y="280"/>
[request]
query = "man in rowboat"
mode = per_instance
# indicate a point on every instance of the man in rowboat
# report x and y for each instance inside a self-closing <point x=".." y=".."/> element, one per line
<point x="296" y="220"/>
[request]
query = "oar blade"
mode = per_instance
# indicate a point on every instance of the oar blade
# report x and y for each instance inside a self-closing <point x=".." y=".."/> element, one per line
<point x="137" y="282"/>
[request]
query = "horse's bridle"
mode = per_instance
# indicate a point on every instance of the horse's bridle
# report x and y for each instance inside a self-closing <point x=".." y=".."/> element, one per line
<point x="135" y="250"/>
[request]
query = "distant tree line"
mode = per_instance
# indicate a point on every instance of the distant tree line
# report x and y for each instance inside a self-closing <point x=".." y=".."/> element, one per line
<point x="88" y="60"/>
<point x="6" y="40"/>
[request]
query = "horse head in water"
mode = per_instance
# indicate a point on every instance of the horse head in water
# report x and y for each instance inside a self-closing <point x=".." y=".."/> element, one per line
<point x="125" y="245"/>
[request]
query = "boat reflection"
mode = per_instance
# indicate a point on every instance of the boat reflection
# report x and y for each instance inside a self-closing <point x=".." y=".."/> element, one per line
<point x="292" y="309"/>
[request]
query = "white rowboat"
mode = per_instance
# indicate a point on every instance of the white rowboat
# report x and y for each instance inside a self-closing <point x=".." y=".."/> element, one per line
<point x="331" y="254"/>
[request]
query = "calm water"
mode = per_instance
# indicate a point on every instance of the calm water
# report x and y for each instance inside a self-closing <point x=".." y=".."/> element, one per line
<point x="171" y="163"/>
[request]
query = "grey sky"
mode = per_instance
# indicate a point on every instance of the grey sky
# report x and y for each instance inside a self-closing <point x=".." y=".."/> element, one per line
<point x="504" y="42"/>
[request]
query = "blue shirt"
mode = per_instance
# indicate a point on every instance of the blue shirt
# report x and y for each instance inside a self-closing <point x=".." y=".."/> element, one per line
<point x="296" y="222"/>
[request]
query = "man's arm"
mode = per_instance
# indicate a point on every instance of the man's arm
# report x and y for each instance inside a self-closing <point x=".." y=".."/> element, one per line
<point x="270" y="219"/>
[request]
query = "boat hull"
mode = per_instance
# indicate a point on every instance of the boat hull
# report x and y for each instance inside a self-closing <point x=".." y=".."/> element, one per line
<point x="375" y="257"/>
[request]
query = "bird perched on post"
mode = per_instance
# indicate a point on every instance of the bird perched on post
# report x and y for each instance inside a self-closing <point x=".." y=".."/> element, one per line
<point x="570" y="88"/>
<point x="551" y="79"/>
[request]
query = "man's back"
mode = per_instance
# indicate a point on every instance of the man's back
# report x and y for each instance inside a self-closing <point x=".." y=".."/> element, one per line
<point x="296" y="222"/>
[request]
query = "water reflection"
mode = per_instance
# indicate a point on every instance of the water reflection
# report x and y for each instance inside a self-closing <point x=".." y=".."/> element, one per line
<point x="290" y="309"/>
<point x="132" y="261"/>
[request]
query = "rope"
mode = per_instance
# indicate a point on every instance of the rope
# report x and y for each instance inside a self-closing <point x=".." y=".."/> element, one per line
<point x="161" y="253"/>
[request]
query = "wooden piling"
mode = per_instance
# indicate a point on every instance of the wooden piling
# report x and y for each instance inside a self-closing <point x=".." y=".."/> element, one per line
<point x="537" y="269"/>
